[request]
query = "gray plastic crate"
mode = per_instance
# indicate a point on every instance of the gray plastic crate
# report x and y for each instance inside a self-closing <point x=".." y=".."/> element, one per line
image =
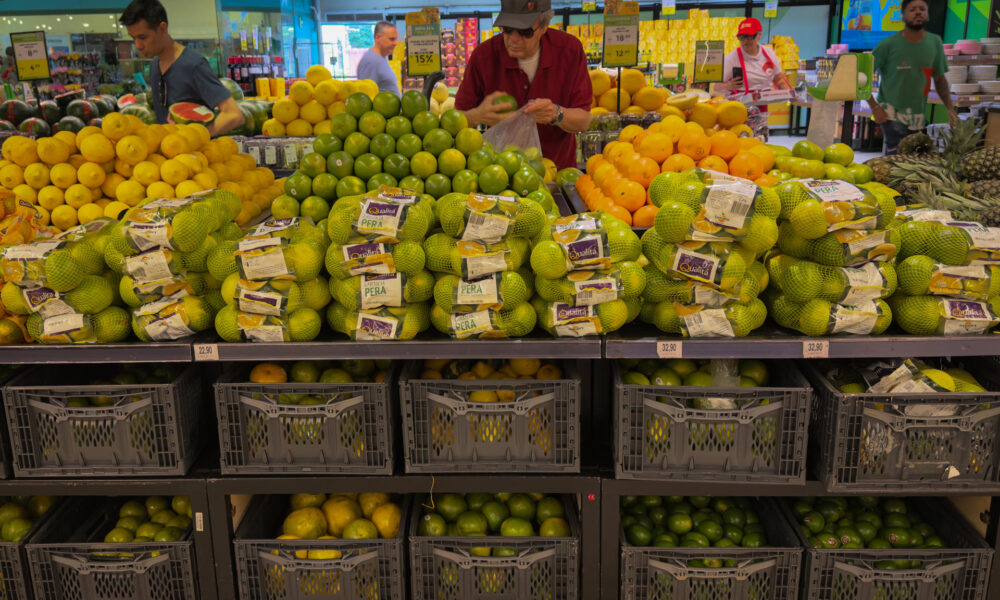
<point x="80" y="566"/>
<point x="659" y="437"/>
<point x="537" y="432"/>
<point x="959" y="572"/>
<point x="770" y="573"/>
<point x="15" y="583"/>
<point x="545" y="568"/>
<point x="352" y="433"/>
<point x="878" y="442"/>
<point x="151" y="429"/>
<point x="268" y="569"/>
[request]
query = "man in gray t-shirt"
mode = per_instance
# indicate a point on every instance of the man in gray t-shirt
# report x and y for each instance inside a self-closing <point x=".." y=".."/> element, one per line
<point x="374" y="64"/>
<point x="177" y="74"/>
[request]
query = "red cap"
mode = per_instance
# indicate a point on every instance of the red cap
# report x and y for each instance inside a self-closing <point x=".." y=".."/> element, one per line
<point x="749" y="26"/>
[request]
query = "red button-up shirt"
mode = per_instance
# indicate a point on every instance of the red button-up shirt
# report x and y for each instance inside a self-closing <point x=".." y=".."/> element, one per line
<point x="561" y="77"/>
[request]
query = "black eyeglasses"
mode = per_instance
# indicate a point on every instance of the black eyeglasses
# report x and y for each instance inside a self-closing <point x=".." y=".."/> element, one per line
<point x="525" y="33"/>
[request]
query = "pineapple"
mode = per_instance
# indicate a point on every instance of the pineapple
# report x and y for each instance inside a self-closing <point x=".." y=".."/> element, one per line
<point x="987" y="188"/>
<point x="982" y="164"/>
<point x="915" y="143"/>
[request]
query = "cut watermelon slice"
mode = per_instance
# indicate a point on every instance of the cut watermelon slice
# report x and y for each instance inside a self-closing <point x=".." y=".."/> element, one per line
<point x="126" y="100"/>
<point x="189" y="112"/>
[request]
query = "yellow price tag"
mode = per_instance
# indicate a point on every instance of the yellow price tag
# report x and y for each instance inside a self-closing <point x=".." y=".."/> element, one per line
<point x="31" y="55"/>
<point x="669" y="7"/>
<point x="771" y="9"/>
<point x="709" y="56"/>
<point x="423" y="42"/>
<point x="621" y="34"/>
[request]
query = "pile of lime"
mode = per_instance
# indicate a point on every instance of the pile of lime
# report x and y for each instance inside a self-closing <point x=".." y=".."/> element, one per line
<point x="154" y="519"/>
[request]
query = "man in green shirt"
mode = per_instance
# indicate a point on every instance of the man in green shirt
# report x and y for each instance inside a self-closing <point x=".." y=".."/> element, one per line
<point x="907" y="62"/>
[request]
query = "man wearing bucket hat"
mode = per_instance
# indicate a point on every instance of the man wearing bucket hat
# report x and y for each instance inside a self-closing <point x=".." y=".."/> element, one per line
<point x="543" y="69"/>
<point x="752" y="66"/>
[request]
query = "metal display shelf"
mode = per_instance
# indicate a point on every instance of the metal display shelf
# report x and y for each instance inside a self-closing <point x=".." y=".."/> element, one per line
<point x="132" y="352"/>
<point x="426" y="346"/>
<point x="587" y="487"/>
<point x="635" y="342"/>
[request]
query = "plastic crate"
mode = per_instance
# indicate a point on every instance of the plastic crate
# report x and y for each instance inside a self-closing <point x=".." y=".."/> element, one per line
<point x="151" y="429"/>
<point x="268" y="569"/>
<point x="876" y="442"/>
<point x="15" y="583"/>
<point x="756" y="442"/>
<point x="960" y="572"/>
<point x="545" y="568"/>
<point x="352" y="433"/>
<point x="537" y="432"/>
<point x="770" y="573"/>
<point x="79" y="566"/>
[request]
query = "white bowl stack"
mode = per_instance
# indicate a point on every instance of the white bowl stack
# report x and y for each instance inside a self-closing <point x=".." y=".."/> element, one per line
<point x="965" y="89"/>
<point x="979" y="73"/>
<point x="957" y="74"/>
<point x="990" y="87"/>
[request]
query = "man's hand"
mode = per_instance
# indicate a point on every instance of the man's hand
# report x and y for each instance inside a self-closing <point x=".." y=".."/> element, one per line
<point x="952" y="116"/>
<point x="879" y="114"/>
<point x="542" y="109"/>
<point x="488" y="113"/>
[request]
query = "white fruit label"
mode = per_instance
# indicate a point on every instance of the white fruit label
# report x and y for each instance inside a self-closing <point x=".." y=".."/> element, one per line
<point x="913" y="386"/>
<point x="701" y="267"/>
<point x="863" y="284"/>
<point x="484" y="290"/>
<point x="902" y="373"/>
<point x="275" y="225"/>
<point x="966" y="317"/>
<point x="708" y="297"/>
<point x="261" y="303"/>
<point x="48" y="303"/>
<point x="170" y="327"/>
<point x="869" y="241"/>
<point x="574" y="321"/>
<point x="477" y="266"/>
<point x="466" y="325"/>
<point x="63" y="324"/>
<point x="483" y="227"/>
<point x="859" y="320"/>
<point x="255" y="153"/>
<point x="728" y="204"/>
<point x="595" y="291"/>
<point x="256" y="243"/>
<point x="381" y="290"/>
<point x="577" y="329"/>
<point x="270" y="154"/>
<point x="146" y="236"/>
<point x="150" y="266"/>
<point x="708" y="322"/>
<point x="669" y="349"/>
<point x="380" y="217"/>
<point x="587" y="253"/>
<point x="925" y="215"/>
<point x="265" y="333"/>
<point x="828" y="190"/>
<point x="151" y="308"/>
<point x="33" y="251"/>
<point x="268" y="264"/>
<point x="985" y="238"/>
<point x="972" y="281"/>
<point x="368" y="258"/>
<point x="586" y="223"/>
<point x="374" y="327"/>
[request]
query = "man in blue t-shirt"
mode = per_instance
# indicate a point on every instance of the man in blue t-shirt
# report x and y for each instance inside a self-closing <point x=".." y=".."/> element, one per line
<point x="374" y="64"/>
<point x="177" y="74"/>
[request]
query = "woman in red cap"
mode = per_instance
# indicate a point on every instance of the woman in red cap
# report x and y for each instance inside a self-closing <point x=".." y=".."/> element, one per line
<point x="759" y="67"/>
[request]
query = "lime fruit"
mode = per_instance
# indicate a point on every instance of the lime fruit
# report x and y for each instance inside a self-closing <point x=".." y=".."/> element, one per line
<point x="424" y="122"/>
<point x="437" y="185"/>
<point x="324" y="185"/>
<point x="453" y="121"/>
<point x="386" y="104"/>
<point x="409" y="144"/>
<point x="412" y="183"/>
<point x="326" y="144"/>
<point x="298" y="185"/>
<point x="478" y="160"/>
<point x="438" y="140"/>
<point x="423" y="164"/>
<point x="340" y="164"/>
<point x="356" y="144"/>
<point x="397" y="126"/>
<point x="312" y="164"/>
<point x="465" y="182"/>
<point x="343" y="125"/>
<point x="450" y="161"/>
<point x="382" y="145"/>
<point x="314" y="207"/>
<point x="358" y="104"/>
<point x="367" y="165"/>
<point x="394" y="164"/>
<point x="350" y="186"/>
<point x="413" y="103"/>
<point x="493" y="179"/>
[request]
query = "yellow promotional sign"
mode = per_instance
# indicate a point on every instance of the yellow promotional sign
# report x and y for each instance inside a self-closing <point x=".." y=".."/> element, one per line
<point x="31" y="55"/>
<point x="669" y="7"/>
<point x="709" y="56"/>
<point x="423" y="41"/>
<point x="621" y="33"/>
<point x="589" y="6"/>
<point x="771" y="9"/>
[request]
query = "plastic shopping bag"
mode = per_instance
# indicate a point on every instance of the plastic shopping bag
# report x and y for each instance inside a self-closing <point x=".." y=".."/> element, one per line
<point x="518" y="130"/>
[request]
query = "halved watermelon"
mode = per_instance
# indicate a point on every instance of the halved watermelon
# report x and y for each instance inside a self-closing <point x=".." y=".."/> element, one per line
<point x="49" y="111"/>
<point x="36" y="127"/>
<point x="64" y="99"/>
<point x="84" y="110"/>
<point x="189" y="112"/>
<point x="126" y="100"/>
<point x="73" y="124"/>
<point x="233" y="87"/>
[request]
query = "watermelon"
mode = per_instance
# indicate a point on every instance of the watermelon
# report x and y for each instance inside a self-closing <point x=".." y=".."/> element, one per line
<point x="84" y="110"/>
<point x="141" y="111"/>
<point x="189" y="112"/>
<point x="144" y="98"/>
<point x="6" y="125"/>
<point x="73" y="124"/>
<point x="105" y="104"/>
<point x="247" y="128"/>
<point x="257" y="116"/>
<point x="16" y="111"/>
<point x="126" y="100"/>
<point x="96" y="122"/>
<point x="49" y="111"/>
<point x="233" y="87"/>
<point x="35" y="126"/>
<point x="63" y="100"/>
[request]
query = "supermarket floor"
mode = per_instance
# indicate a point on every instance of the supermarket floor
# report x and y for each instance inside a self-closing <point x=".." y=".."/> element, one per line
<point x="789" y="141"/>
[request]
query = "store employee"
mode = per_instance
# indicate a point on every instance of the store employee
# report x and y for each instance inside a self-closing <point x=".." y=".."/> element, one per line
<point x="177" y="74"/>
<point x="545" y="70"/>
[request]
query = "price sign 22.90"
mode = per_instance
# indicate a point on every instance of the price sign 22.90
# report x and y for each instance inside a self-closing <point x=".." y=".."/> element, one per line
<point x="621" y="34"/>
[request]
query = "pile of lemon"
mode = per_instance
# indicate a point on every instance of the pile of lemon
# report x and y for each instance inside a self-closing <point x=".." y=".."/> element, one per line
<point x="310" y="104"/>
<point x="74" y="178"/>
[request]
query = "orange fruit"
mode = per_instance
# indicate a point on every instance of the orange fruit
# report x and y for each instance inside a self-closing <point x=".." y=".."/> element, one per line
<point x="766" y="180"/>
<point x="617" y="151"/>
<point x="611" y="181"/>
<point x="765" y="154"/>
<point x="600" y="202"/>
<point x="609" y="147"/>
<point x="644" y="216"/>
<point x="602" y="172"/>
<point x="746" y="165"/>
<point x="725" y="144"/>
<point x="629" y="194"/>
<point x="593" y="162"/>
<point x="694" y="144"/>
<point x="677" y="163"/>
<point x="643" y="170"/>
<point x="732" y="113"/>
<point x="629" y="133"/>
<point x="268" y="373"/>
<point x="657" y="146"/>
<point x="749" y="142"/>
<point x="620" y="212"/>
<point x="583" y="185"/>
<point x="714" y="163"/>
<point x="625" y="160"/>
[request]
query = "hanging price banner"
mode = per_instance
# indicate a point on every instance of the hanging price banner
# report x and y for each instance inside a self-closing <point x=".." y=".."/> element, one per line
<point x="669" y="7"/>
<point x="589" y="6"/>
<point x="709" y="56"/>
<point x="243" y="40"/>
<point x="621" y="33"/>
<point x="423" y="42"/>
<point x="771" y="9"/>
<point x="31" y="55"/>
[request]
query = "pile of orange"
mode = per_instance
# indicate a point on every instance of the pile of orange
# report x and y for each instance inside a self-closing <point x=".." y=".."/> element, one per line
<point x="617" y="181"/>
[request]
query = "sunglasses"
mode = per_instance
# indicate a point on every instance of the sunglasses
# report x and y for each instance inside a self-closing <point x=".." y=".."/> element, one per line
<point x="525" y="33"/>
